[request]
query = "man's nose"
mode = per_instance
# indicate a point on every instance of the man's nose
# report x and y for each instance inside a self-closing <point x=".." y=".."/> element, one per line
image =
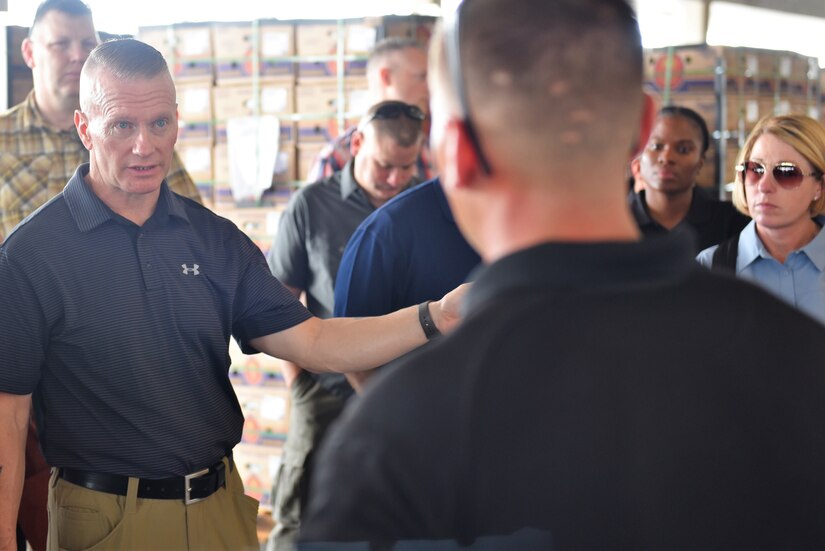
<point x="143" y="142"/>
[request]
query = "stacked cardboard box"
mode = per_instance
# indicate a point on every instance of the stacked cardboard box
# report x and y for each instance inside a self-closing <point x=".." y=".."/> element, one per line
<point x="20" y="76"/>
<point x="732" y="88"/>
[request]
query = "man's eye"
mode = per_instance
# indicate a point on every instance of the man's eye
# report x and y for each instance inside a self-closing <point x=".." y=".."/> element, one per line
<point x="122" y="125"/>
<point x="59" y="45"/>
<point x="161" y="123"/>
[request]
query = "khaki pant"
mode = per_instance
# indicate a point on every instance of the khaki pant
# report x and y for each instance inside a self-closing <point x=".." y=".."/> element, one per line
<point x="85" y="519"/>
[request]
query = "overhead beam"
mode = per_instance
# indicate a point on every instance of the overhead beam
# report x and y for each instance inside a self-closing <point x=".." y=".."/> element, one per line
<point x="801" y="7"/>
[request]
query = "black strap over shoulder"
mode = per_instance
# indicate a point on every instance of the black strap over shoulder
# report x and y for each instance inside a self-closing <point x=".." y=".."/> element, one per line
<point x="724" y="257"/>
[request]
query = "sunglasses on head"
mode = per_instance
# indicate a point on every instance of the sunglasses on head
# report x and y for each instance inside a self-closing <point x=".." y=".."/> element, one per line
<point x="788" y="175"/>
<point x="395" y="109"/>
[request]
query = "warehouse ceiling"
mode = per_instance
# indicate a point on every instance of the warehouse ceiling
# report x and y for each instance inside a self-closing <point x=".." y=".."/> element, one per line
<point x="802" y="7"/>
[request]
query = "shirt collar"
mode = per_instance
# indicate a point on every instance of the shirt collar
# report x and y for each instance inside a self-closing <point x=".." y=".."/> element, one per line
<point x="31" y="117"/>
<point x="348" y="183"/>
<point x="751" y="247"/>
<point x="442" y="200"/>
<point x="592" y="266"/>
<point x="815" y="250"/>
<point x="697" y="213"/>
<point x="89" y="211"/>
<point x="638" y="206"/>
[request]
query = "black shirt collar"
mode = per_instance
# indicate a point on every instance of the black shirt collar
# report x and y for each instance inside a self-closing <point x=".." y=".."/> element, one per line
<point x="557" y="266"/>
<point x="348" y="183"/>
<point x="90" y="212"/>
<point x="698" y="212"/>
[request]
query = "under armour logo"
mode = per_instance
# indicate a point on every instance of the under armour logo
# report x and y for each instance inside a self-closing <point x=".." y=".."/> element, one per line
<point x="190" y="271"/>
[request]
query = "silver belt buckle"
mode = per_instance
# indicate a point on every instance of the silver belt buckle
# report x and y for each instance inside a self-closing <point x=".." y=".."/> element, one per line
<point x="187" y="499"/>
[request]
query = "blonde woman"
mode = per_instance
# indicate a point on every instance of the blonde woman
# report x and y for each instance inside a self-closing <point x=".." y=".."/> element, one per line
<point x="779" y="184"/>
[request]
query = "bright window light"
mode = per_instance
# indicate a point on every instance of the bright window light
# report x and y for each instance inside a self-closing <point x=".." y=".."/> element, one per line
<point x="122" y="17"/>
<point x="738" y="25"/>
<point x="670" y="22"/>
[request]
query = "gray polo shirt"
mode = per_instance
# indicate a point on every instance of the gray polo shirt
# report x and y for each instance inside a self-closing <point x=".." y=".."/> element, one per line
<point x="312" y="234"/>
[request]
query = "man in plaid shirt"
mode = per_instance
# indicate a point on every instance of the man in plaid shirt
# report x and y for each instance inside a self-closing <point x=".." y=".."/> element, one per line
<point x="396" y="70"/>
<point x="39" y="146"/>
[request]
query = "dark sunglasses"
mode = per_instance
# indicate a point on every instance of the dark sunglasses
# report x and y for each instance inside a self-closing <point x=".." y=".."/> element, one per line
<point x="788" y="175"/>
<point x="452" y="45"/>
<point x="395" y="109"/>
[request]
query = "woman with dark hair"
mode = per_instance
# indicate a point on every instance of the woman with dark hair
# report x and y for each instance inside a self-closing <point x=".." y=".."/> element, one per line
<point x="669" y="166"/>
<point x="780" y="184"/>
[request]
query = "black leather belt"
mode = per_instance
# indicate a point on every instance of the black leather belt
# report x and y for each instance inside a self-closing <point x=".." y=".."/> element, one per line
<point x="190" y="488"/>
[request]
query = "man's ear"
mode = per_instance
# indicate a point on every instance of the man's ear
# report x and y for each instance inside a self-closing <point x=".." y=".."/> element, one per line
<point x="646" y="124"/>
<point x="28" y="55"/>
<point x="460" y="156"/>
<point x="81" y="122"/>
<point x="385" y="75"/>
<point x="356" y="142"/>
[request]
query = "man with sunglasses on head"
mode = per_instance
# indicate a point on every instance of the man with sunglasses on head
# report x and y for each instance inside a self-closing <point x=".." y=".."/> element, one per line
<point x="603" y="388"/>
<point x="396" y="71"/>
<point x="305" y="256"/>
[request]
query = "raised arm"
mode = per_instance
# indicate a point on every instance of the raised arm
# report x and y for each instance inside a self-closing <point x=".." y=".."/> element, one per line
<point x="14" y="423"/>
<point x="355" y="344"/>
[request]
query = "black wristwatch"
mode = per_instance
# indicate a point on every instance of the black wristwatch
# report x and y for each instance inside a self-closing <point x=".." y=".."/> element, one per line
<point x="427" y="324"/>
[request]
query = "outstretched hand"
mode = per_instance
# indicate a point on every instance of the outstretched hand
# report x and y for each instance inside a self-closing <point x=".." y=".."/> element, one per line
<point x="446" y="313"/>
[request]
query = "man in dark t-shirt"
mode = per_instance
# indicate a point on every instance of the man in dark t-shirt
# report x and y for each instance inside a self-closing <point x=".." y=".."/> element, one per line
<point x="603" y="389"/>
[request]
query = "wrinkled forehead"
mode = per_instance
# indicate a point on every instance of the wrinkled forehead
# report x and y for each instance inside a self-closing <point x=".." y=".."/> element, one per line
<point x="105" y="91"/>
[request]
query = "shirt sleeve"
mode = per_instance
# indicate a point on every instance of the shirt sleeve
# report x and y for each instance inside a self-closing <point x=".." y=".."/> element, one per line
<point x="705" y="258"/>
<point x="262" y="305"/>
<point x="24" y="329"/>
<point x="288" y="258"/>
<point x="366" y="280"/>
<point x="180" y="182"/>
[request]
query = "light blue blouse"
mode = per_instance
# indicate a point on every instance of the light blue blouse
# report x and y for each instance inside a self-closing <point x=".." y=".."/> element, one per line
<point x="800" y="281"/>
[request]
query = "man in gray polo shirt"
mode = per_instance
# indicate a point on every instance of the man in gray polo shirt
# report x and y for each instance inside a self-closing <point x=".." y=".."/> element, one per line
<point x="312" y="235"/>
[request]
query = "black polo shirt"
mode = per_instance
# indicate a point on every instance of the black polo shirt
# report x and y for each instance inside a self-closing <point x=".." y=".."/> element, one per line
<point x="710" y="220"/>
<point x="616" y="395"/>
<point x="312" y="234"/>
<point x="122" y="332"/>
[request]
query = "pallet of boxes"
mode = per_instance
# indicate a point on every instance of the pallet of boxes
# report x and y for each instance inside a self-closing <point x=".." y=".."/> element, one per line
<point x="732" y="88"/>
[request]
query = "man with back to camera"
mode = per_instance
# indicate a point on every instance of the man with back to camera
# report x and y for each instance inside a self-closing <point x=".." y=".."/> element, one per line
<point x="39" y="146"/>
<point x="549" y="408"/>
<point x="39" y="152"/>
<point x="396" y="71"/>
<point x="305" y="255"/>
<point x="120" y="299"/>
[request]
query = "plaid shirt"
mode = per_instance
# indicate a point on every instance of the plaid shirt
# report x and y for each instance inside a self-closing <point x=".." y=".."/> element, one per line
<point x="336" y="154"/>
<point x="37" y="160"/>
